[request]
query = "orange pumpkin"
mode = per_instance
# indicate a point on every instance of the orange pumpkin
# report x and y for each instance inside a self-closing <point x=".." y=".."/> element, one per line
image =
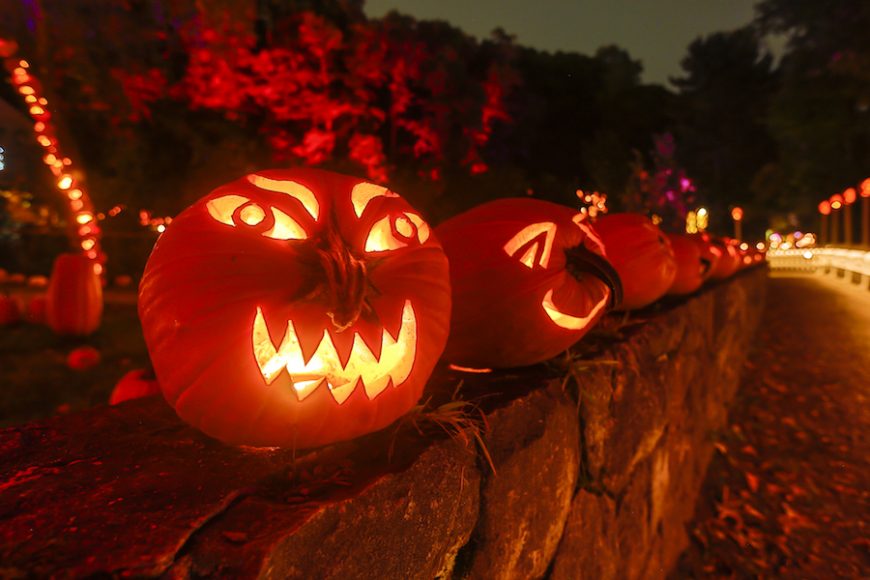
<point x="529" y="280"/>
<point x="641" y="254"/>
<point x="729" y="261"/>
<point x="36" y="309"/>
<point x="83" y="358"/>
<point x="74" y="302"/>
<point x="133" y="385"/>
<point x="10" y="312"/>
<point x="692" y="268"/>
<point x="295" y="308"/>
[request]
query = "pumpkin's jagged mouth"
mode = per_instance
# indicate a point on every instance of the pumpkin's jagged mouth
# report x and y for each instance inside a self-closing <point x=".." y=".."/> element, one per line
<point x="324" y="366"/>
<point x="567" y="320"/>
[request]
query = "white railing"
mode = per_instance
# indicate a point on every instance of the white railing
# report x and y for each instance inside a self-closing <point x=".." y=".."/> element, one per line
<point x="825" y="260"/>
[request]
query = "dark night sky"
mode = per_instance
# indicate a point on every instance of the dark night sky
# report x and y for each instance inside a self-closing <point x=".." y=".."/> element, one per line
<point x="655" y="31"/>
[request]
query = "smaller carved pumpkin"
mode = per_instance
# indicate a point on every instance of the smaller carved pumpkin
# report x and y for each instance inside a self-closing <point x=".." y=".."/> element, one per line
<point x="692" y="268"/>
<point x="641" y="254"/>
<point x="83" y="358"/>
<point x="75" y="296"/>
<point x="529" y="279"/>
<point x="134" y="385"/>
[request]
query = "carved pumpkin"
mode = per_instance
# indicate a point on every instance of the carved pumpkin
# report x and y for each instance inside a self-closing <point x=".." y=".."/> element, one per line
<point x="692" y="266"/>
<point x="134" y="385"/>
<point x="83" y="358"/>
<point x="710" y="252"/>
<point x="529" y="280"/>
<point x="641" y="254"/>
<point x="295" y="308"/>
<point x="10" y="312"/>
<point x="74" y="302"/>
<point x="729" y="261"/>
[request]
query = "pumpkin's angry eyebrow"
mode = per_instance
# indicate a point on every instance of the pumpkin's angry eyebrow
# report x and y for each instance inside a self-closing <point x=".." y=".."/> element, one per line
<point x="364" y="192"/>
<point x="292" y="188"/>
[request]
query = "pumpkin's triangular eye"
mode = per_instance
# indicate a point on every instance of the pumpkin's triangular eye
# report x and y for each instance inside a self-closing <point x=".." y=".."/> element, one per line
<point x="365" y="192"/>
<point x="395" y="231"/>
<point x="533" y="244"/>
<point x="239" y="211"/>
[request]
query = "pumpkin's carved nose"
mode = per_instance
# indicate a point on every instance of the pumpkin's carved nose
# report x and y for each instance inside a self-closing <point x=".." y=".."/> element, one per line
<point x="345" y="282"/>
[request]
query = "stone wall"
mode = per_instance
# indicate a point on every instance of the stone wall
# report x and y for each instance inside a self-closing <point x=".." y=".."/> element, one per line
<point x="585" y="467"/>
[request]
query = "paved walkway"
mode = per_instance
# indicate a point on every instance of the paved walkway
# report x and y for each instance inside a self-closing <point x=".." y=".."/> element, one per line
<point x="788" y="493"/>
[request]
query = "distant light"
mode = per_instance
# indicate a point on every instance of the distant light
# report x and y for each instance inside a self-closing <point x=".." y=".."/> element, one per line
<point x="759" y="246"/>
<point x="702" y="211"/>
<point x="825" y="207"/>
<point x="850" y="195"/>
<point x="836" y="201"/>
<point x="161" y="228"/>
<point x="808" y="255"/>
<point x="65" y="182"/>
<point x="737" y="214"/>
<point x="865" y="188"/>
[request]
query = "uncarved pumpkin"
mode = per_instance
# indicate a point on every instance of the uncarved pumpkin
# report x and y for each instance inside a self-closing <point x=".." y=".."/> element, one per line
<point x="529" y="280"/>
<point x="134" y="385"/>
<point x="74" y="302"/>
<point x="641" y="254"/>
<point x="36" y="309"/>
<point x="295" y="308"/>
<point x="10" y="311"/>
<point x="83" y="358"/>
<point x="692" y="269"/>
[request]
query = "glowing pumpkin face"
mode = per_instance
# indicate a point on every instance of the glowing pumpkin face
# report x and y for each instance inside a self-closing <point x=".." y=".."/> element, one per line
<point x="529" y="280"/>
<point x="295" y="307"/>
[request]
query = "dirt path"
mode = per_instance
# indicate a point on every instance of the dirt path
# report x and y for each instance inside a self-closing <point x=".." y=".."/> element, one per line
<point x="788" y="493"/>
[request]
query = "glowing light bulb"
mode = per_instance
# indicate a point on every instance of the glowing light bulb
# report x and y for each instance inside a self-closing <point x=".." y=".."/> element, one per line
<point x="88" y="243"/>
<point x="84" y="218"/>
<point x="65" y="182"/>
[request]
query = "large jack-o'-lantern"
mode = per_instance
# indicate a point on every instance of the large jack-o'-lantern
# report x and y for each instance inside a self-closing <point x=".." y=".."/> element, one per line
<point x="641" y="254"/>
<point x="529" y="280"/>
<point x="295" y="308"/>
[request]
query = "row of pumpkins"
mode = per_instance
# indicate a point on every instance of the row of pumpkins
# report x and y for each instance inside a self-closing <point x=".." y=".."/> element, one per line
<point x="302" y="307"/>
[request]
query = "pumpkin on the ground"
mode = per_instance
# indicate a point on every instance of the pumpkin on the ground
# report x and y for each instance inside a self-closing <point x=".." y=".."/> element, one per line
<point x="83" y="358"/>
<point x="134" y="385"/>
<point x="641" y="254"/>
<point x="74" y="302"/>
<point x="36" y="309"/>
<point x="10" y="311"/>
<point x="529" y="280"/>
<point x="295" y="308"/>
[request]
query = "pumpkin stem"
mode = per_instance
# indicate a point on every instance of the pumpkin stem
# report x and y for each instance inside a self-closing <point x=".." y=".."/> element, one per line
<point x="580" y="260"/>
<point x="345" y="282"/>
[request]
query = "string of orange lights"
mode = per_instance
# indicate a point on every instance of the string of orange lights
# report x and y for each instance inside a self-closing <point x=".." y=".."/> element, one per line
<point x="84" y="230"/>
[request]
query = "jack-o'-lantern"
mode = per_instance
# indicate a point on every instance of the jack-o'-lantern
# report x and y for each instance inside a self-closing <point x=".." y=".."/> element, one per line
<point x="295" y="308"/>
<point x="728" y="262"/>
<point x="692" y="267"/>
<point x="134" y="385"/>
<point x="529" y="280"/>
<point x="710" y="252"/>
<point x="641" y="254"/>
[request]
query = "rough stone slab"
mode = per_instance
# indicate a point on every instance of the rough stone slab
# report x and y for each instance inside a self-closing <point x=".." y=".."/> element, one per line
<point x="130" y="490"/>
<point x="534" y="445"/>
<point x="588" y="548"/>
<point x="409" y="524"/>
<point x="113" y="489"/>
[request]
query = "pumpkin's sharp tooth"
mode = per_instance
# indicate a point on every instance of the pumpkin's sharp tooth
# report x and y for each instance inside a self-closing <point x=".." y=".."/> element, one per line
<point x="376" y="386"/>
<point x="305" y="387"/>
<point x="341" y="392"/>
<point x="405" y="348"/>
